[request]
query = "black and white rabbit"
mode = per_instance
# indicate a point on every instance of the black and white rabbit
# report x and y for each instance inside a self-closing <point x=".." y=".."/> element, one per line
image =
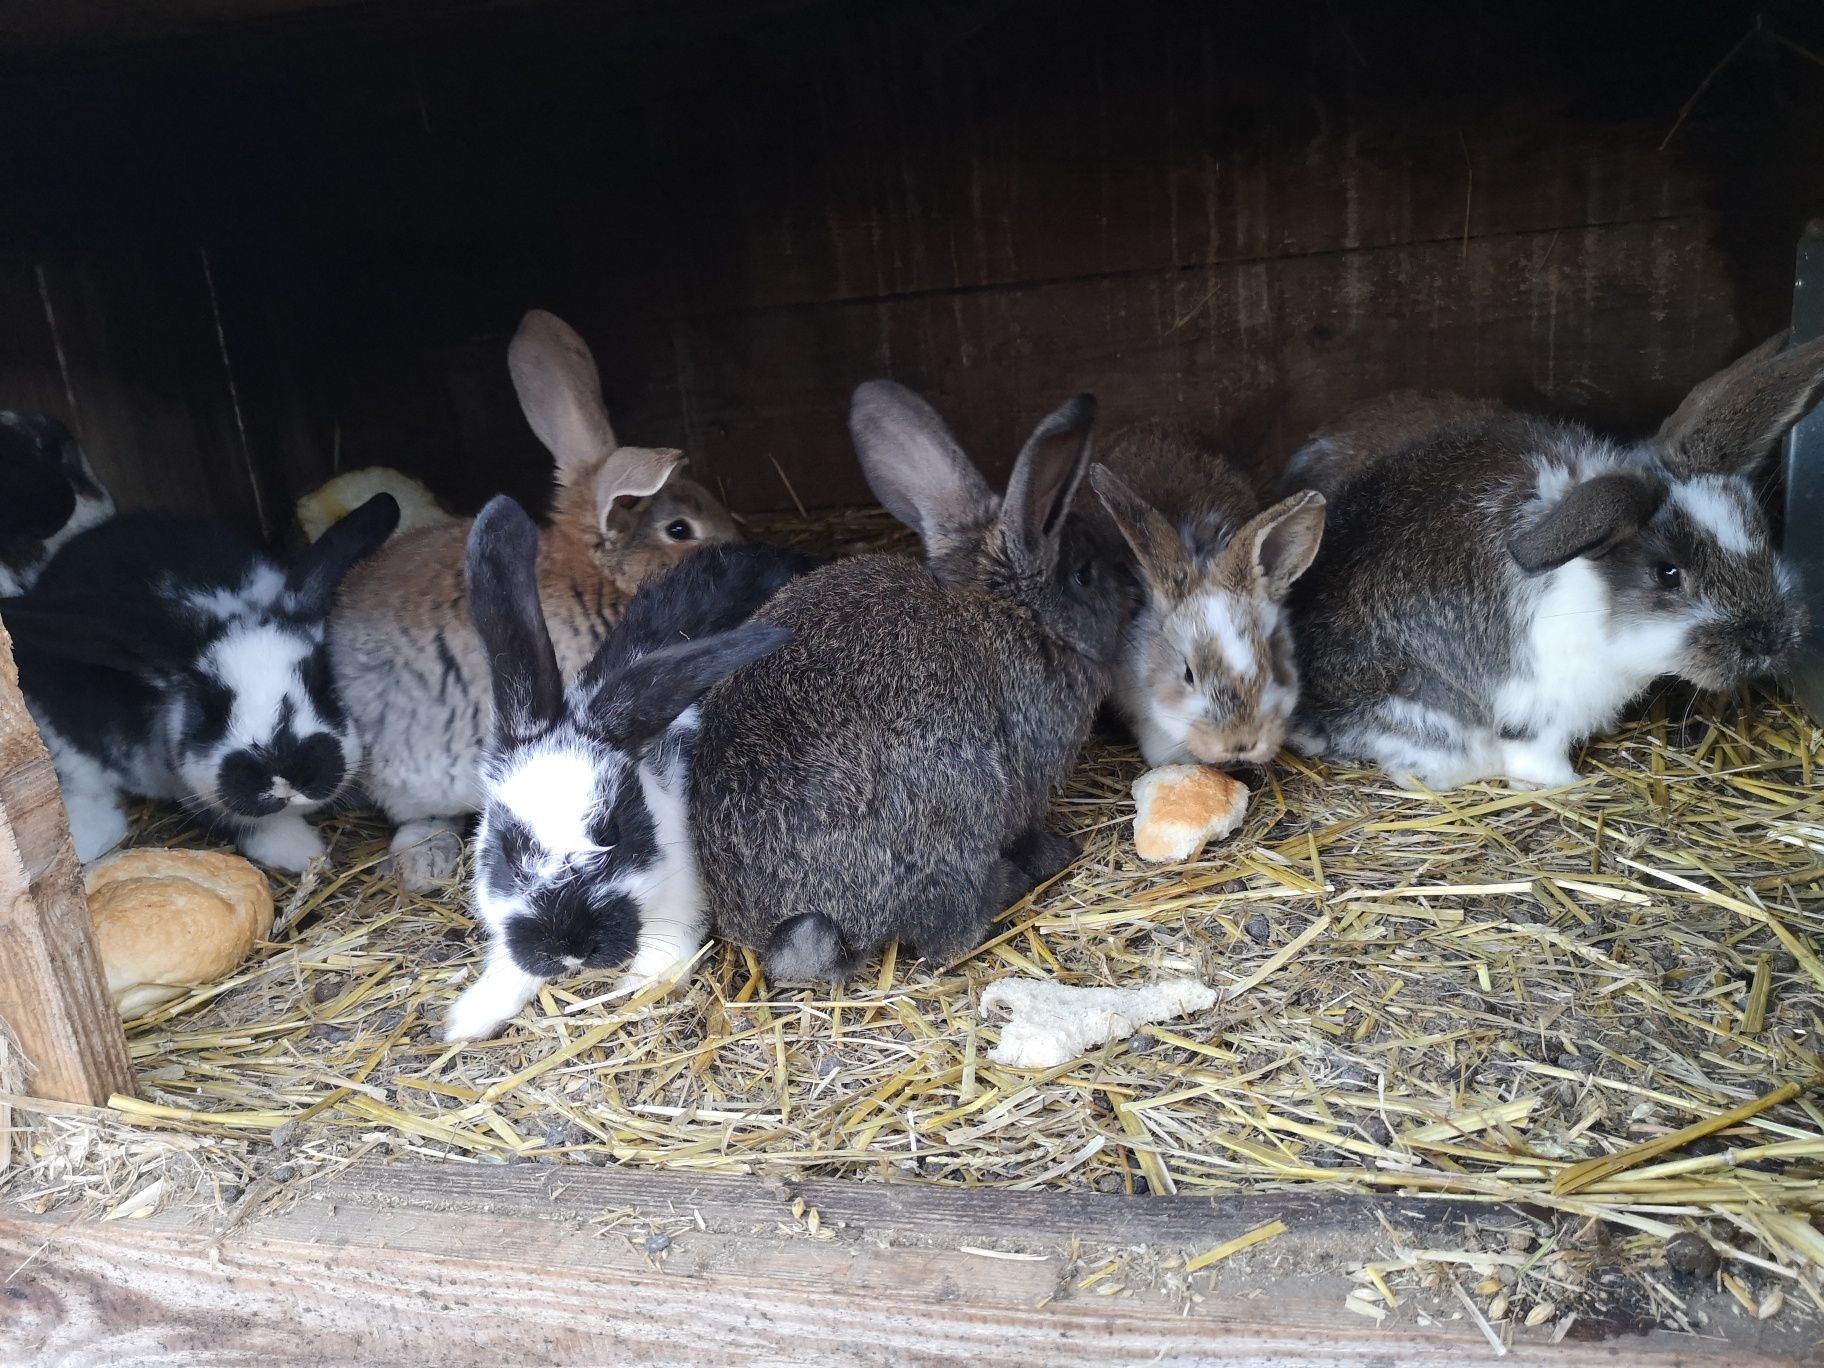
<point x="162" y="657"/>
<point x="1494" y="588"/>
<point x="583" y="857"/>
<point x="886" y="775"/>
<point x="48" y="494"/>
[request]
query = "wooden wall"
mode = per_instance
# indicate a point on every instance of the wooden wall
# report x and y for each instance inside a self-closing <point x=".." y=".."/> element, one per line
<point x="279" y="247"/>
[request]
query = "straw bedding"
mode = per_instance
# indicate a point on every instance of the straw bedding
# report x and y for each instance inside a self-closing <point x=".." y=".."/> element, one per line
<point x="1516" y="997"/>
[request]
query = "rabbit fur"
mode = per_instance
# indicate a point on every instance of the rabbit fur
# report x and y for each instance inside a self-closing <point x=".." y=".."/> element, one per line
<point x="408" y="662"/>
<point x="1495" y="587"/>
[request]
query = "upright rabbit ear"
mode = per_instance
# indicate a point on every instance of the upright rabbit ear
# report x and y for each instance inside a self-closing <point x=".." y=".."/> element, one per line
<point x="1045" y="479"/>
<point x="1590" y="519"/>
<point x="501" y="567"/>
<point x="1163" y="558"/>
<point x="915" y="467"/>
<point x="1727" y="423"/>
<point x="1280" y="544"/>
<point x="646" y="697"/>
<point x="560" y="391"/>
<point x="310" y="584"/>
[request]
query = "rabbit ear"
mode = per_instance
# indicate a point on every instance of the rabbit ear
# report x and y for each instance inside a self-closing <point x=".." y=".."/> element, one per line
<point x="560" y="391"/>
<point x="648" y="695"/>
<point x="1045" y="478"/>
<point x="81" y="629"/>
<point x="915" y="467"/>
<point x="1727" y="423"/>
<point x="501" y="568"/>
<point x="311" y="582"/>
<point x="1589" y="520"/>
<point x="1156" y="545"/>
<point x="634" y="472"/>
<point x="1281" y="543"/>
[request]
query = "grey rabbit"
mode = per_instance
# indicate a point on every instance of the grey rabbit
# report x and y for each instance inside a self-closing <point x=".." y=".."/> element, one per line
<point x="885" y="775"/>
<point x="1207" y="672"/>
<point x="1494" y="588"/>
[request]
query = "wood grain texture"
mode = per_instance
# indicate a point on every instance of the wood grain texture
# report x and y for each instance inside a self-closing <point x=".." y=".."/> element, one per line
<point x="52" y="994"/>
<point x="1244" y="216"/>
<point x="463" y="1264"/>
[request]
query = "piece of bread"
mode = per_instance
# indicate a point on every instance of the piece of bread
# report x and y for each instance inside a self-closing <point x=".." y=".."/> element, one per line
<point x="329" y="503"/>
<point x="1180" y="807"/>
<point x="1053" y="1023"/>
<point x="167" y="921"/>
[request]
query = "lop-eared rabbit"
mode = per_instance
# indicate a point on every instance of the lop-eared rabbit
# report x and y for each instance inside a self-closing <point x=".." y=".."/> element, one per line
<point x="1494" y="588"/>
<point x="885" y="775"/>
<point x="163" y="657"/>
<point x="583" y="856"/>
<point x="408" y="662"/>
<point x="1207" y="673"/>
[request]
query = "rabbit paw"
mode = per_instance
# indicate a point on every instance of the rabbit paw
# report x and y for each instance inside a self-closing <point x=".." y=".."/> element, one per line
<point x="284" y="842"/>
<point x="1537" y="764"/>
<point x="426" y="853"/>
<point x="1042" y="854"/>
<point x="490" y="1002"/>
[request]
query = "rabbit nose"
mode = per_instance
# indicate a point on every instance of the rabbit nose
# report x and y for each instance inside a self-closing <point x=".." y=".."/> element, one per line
<point x="1766" y="637"/>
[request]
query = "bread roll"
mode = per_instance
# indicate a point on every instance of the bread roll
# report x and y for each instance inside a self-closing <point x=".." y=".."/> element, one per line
<point x="167" y="921"/>
<point x="1180" y="807"/>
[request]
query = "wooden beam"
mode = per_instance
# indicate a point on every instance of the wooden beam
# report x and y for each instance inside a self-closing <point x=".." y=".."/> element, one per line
<point x="472" y="1263"/>
<point x="52" y="994"/>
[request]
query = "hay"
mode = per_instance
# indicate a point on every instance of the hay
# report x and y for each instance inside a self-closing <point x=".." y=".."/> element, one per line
<point x="1601" y="1003"/>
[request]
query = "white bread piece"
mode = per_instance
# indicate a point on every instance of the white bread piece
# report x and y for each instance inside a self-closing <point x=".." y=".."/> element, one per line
<point x="1053" y="1023"/>
<point x="167" y="921"/>
<point x="335" y="499"/>
<point x="1179" y="808"/>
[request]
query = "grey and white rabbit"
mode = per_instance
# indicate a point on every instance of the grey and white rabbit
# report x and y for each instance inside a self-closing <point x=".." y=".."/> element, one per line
<point x="1207" y="672"/>
<point x="48" y="494"/>
<point x="887" y="773"/>
<point x="163" y="657"/>
<point x="1494" y="588"/>
<point x="583" y="856"/>
<point x="407" y="659"/>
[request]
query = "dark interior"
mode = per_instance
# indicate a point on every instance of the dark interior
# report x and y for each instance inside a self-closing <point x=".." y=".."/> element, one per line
<point x="245" y="245"/>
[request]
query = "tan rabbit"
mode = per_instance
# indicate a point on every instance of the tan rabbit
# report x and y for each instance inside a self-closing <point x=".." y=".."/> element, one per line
<point x="409" y="666"/>
<point x="1207" y="672"/>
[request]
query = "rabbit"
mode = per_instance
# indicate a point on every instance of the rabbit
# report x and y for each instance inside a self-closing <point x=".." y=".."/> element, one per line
<point x="583" y="856"/>
<point x="1495" y="588"/>
<point x="885" y="775"/>
<point x="1207" y="674"/>
<point x="48" y="494"/>
<point x="410" y="667"/>
<point x="162" y="657"/>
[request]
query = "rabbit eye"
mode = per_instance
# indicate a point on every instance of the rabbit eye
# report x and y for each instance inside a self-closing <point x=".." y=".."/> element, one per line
<point x="1668" y="575"/>
<point x="1190" y="678"/>
<point x="1085" y="574"/>
<point x="680" y="530"/>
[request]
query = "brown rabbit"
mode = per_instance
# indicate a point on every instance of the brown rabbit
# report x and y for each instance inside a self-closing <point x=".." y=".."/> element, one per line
<point x="1207" y="673"/>
<point x="409" y="666"/>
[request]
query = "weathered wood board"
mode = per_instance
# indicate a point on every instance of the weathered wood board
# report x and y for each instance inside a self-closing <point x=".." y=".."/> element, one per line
<point x="52" y="996"/>
<point x="1246" y="216"/>
<point x="482" y="1264"/>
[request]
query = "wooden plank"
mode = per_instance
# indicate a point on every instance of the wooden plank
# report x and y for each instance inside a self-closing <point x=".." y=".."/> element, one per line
<point x="1609" y="323"/>
<point x="52" y="995"/>
<point x="988" y="195"/>
<point x="472" y="1264"/>
<point x="881" y="153"/>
